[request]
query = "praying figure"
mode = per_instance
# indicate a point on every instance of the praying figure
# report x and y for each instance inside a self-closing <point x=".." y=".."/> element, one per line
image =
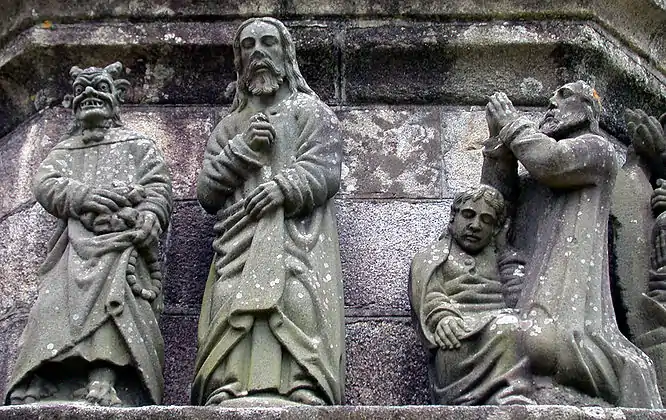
<point x="271" y="329"/>
<point x="92" y="334"/>
<point x="571" y="333"/>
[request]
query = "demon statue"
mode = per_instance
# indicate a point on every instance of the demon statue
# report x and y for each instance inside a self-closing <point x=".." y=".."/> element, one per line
<point x="92" y="334"/>
<point x="271" y="325"/>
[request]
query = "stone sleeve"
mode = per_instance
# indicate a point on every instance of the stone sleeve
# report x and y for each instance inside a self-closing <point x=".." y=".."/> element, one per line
<point x="55" y="190"/>
<point x="227" y="163"/>
<point x="153" y="175"/>
<point x="500" y="169"/>
<point x="314" y="177"/>
<point x="571" y="162"/>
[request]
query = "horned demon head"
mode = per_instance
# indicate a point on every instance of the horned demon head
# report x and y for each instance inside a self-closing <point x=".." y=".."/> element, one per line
<point x="98" y="93"/>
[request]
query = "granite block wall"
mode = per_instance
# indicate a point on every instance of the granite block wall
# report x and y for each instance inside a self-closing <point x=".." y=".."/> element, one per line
<point x="408" y="81"/>
<point x="402" y="166"/>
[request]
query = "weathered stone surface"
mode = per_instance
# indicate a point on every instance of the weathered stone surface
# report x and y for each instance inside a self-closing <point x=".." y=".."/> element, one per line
<point x="463" y="134"/>
<point x="166" y="63"/>
<point x="465" y="63"/>
<point x="23" y="239"/>
<point x="462" y="140"/>
<point x="428" y="63"/>
<point x="188" y="256"/>
<point x="400" y="378"/>
<point x="377" y="243"/>
<point x="639" y="22"/>
<point x="181" y="133"/>
<point x="391" y="152"/>
<point x="22" y="151"/>
<point x="386" y="364"/>
<point x="180" y="341"/>
<point x="631" y="224"/>
<point x="191" y="62"/>
<point x="12" y="322"/>
<point x="515" y="412"/>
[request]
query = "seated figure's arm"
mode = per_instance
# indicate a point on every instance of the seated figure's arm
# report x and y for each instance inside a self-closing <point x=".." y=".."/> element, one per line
<point x="442" y="322"/>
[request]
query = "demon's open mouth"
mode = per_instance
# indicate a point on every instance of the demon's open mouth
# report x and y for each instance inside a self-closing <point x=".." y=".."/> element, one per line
<point x="91" y="103"/>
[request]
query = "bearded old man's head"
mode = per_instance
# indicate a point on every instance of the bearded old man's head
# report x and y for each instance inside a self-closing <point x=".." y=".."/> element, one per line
<point x="262" y="59"/>
<point x="265" y="58"/>
<point x="573" y="108"/>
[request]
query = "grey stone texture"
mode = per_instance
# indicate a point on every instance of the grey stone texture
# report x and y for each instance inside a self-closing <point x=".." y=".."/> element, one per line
<point x="382" y="223"/>
<point x="391" y="152"/>
<point x="378" y="240"/>
<point x="515" y="412"/>
<point x="408" y="81"/>
<point x="189" y="59"/>
<point x="380" y="227"/>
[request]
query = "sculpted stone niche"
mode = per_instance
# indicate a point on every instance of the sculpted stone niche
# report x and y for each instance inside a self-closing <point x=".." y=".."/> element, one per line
<point x="565" y="341"/>
<point x="271" y="328"/>
<point x="92" y="334"/>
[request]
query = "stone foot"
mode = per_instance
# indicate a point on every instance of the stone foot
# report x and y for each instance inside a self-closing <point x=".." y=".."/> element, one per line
<point x="306" y="396"/>
<point x="101" y="388"/>
<point x="218" y="397"/>
<point x="34" y="391"/>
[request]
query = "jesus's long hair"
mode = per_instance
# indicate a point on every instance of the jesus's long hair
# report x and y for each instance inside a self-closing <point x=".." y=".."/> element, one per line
<point x="293" y="75"/>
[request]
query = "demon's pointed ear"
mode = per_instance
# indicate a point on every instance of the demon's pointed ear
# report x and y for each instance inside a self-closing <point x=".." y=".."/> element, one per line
<point x="122" y="86"/>
<point x="114" y="69"/>
<point x="75" y="71"/>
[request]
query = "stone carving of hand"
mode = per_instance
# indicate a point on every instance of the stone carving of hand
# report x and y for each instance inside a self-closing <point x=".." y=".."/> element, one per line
<point x="647" y="134"/>
<point x="260" y="134"/>
<point x="103" y="201"/>
<point x="449" y="332"/>
<point x="499" y="113"/>
<point x="148" y="229"/>
<point x="266" y="197"/>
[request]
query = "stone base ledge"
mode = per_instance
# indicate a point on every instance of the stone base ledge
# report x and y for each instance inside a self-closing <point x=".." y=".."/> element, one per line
<point x="62" y="411"/>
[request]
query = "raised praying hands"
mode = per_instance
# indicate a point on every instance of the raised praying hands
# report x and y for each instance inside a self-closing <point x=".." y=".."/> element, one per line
<point x="499" y="113"/>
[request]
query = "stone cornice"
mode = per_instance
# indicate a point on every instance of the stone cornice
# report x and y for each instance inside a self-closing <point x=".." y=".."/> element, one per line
<point x="346" y="62"/>
<point x="641" y="24"/>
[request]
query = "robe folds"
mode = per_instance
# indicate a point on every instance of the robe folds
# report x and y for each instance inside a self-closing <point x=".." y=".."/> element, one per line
<point x="571" y="330"/>
<point x="272" y="313"/>
<point x="446" y="281"/>
<point x="86" y="307"/>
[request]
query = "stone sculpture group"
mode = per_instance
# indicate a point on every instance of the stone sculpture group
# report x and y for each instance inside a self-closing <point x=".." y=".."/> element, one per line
<point x="501" y="324"/>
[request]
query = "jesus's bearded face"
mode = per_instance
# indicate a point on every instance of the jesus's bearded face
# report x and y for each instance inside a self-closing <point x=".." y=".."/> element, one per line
<point x="262" y="59"/>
